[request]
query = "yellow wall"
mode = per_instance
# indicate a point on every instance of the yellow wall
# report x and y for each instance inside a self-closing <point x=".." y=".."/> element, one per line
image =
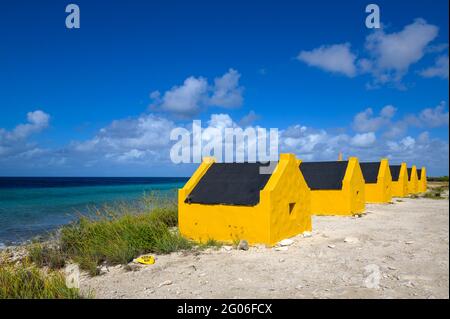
<point x="348" y="201"/>
<point x="400" y="187"/>
<point x="422" y="187"/>
<point x="381" y="191"/>
<point x="268" y="222"/>
<point x="413" y="183"/>
<point x="287" y="186"/>
<point x="224" y="222"/>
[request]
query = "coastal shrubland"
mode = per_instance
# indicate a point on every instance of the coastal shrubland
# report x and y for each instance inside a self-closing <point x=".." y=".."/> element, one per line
<point x="116" y="234"/>
<point x="436" y="192"/>
<point x="46" y="255"/>
<point x="27" y="281"/>
<point x="110" y="235"/>
<point x="117" y="240"/>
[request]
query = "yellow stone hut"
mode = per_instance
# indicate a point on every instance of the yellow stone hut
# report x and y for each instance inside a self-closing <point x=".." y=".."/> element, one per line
<point x="260" y="203"/>
<point x="337" y="187"/>
<point x="378" y="181"/>
<point x="422" y="182"/>
<point x="413" y="180"/>
<point x="399" y="175"/>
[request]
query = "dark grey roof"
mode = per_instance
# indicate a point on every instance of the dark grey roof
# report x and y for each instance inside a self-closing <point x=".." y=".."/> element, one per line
<point x="395" y="172"/>
<point x="370" y="171"/>
<point x="230" y="184"/>
<point x="409" y="173"/>
<point x="324" y="175"/>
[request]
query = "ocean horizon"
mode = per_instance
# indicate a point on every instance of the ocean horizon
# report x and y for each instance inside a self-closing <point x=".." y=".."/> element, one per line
<point x="36" y="206"/>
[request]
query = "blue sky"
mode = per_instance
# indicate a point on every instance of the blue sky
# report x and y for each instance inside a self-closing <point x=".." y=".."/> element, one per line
<point x="101" y="100"/>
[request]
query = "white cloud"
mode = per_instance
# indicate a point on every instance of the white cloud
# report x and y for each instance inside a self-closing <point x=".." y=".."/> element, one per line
<point x="312" y="144"/>
<point x="439" y="69"/>
<point x="220" y="121"/>
<point x="366" y="122"/>
<point x="249" y="118"/>
<point x="131" y="155"/>
<point x="144" y="138"/>
<point x="186" y="99"/>
<point x="423" y="150"/>
<point x="434" y="117"/>
<point x="335" y="58"/>
<point x="316" y="145"/>
<point x="393" y="53"/>
<point x="396" y="129"/>
<point x="15" y="141"/>
<point x="404" y="144"/>
<point x="226" y="91"/>
<point x="196" y="94"/>
<point x="364" y="139"/>
<point x="408" y="142"/>
<point x="141" y="143"/>
<point x="37" y="121"/>
<point x="388" y="111"/>
<point x="387" y="57"/>
<point x="423" y="137"/>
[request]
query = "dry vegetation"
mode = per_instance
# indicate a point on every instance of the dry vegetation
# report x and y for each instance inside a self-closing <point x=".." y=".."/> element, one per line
<point x="114" y="235"/>
<point x="437" y="190"/>
<point x="27" y="281"/>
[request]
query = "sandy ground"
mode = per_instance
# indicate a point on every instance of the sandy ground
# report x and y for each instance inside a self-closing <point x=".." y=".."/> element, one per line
<point x="398" y="250"/>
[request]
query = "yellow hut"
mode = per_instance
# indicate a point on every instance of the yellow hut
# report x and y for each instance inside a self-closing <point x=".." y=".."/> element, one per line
<point x="413" y="181"/>
<point x="422" y="174"/>
<point x="337" y="188"/>
<point x="260" y="203"/>
<point x="399" y="175"/>
<point x="378" y="181"/>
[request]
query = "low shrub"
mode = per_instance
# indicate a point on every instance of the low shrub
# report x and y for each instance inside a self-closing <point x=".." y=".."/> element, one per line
<point x="118" y="239"/>
<point x="26" y="281"/>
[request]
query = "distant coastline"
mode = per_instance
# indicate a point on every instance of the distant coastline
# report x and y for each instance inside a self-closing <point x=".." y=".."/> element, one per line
<point x="34" y="206"/>
<point x="63" y="181"/>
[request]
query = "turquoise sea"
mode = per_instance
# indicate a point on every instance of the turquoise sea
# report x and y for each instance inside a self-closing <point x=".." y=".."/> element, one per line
<point x="31" y="206"/>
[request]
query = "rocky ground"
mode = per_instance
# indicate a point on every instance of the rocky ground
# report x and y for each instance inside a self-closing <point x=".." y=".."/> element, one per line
<point x="398" y="250"/>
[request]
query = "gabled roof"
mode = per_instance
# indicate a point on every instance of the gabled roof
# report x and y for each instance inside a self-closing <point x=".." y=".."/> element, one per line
<point x="395" y="172"/>
<point x="230" y="184"/>
<point x="324" y="175"/>
<point x="409" y="173"/>
<point x="370" y="171"/>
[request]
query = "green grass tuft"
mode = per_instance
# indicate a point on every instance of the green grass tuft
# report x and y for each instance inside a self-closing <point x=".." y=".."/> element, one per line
<point x="438" y="179"/>
<point x="24" y="281"/>
<point x="436" y="192"/>
<point x="117" y="239"/>
<point x="115" y="235"/>
<point x="45" y="255"/>
<point x="210" y="243"/>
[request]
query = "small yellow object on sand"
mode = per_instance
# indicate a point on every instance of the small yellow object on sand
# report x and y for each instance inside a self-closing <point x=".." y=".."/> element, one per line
<point x="146" y="260"/>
